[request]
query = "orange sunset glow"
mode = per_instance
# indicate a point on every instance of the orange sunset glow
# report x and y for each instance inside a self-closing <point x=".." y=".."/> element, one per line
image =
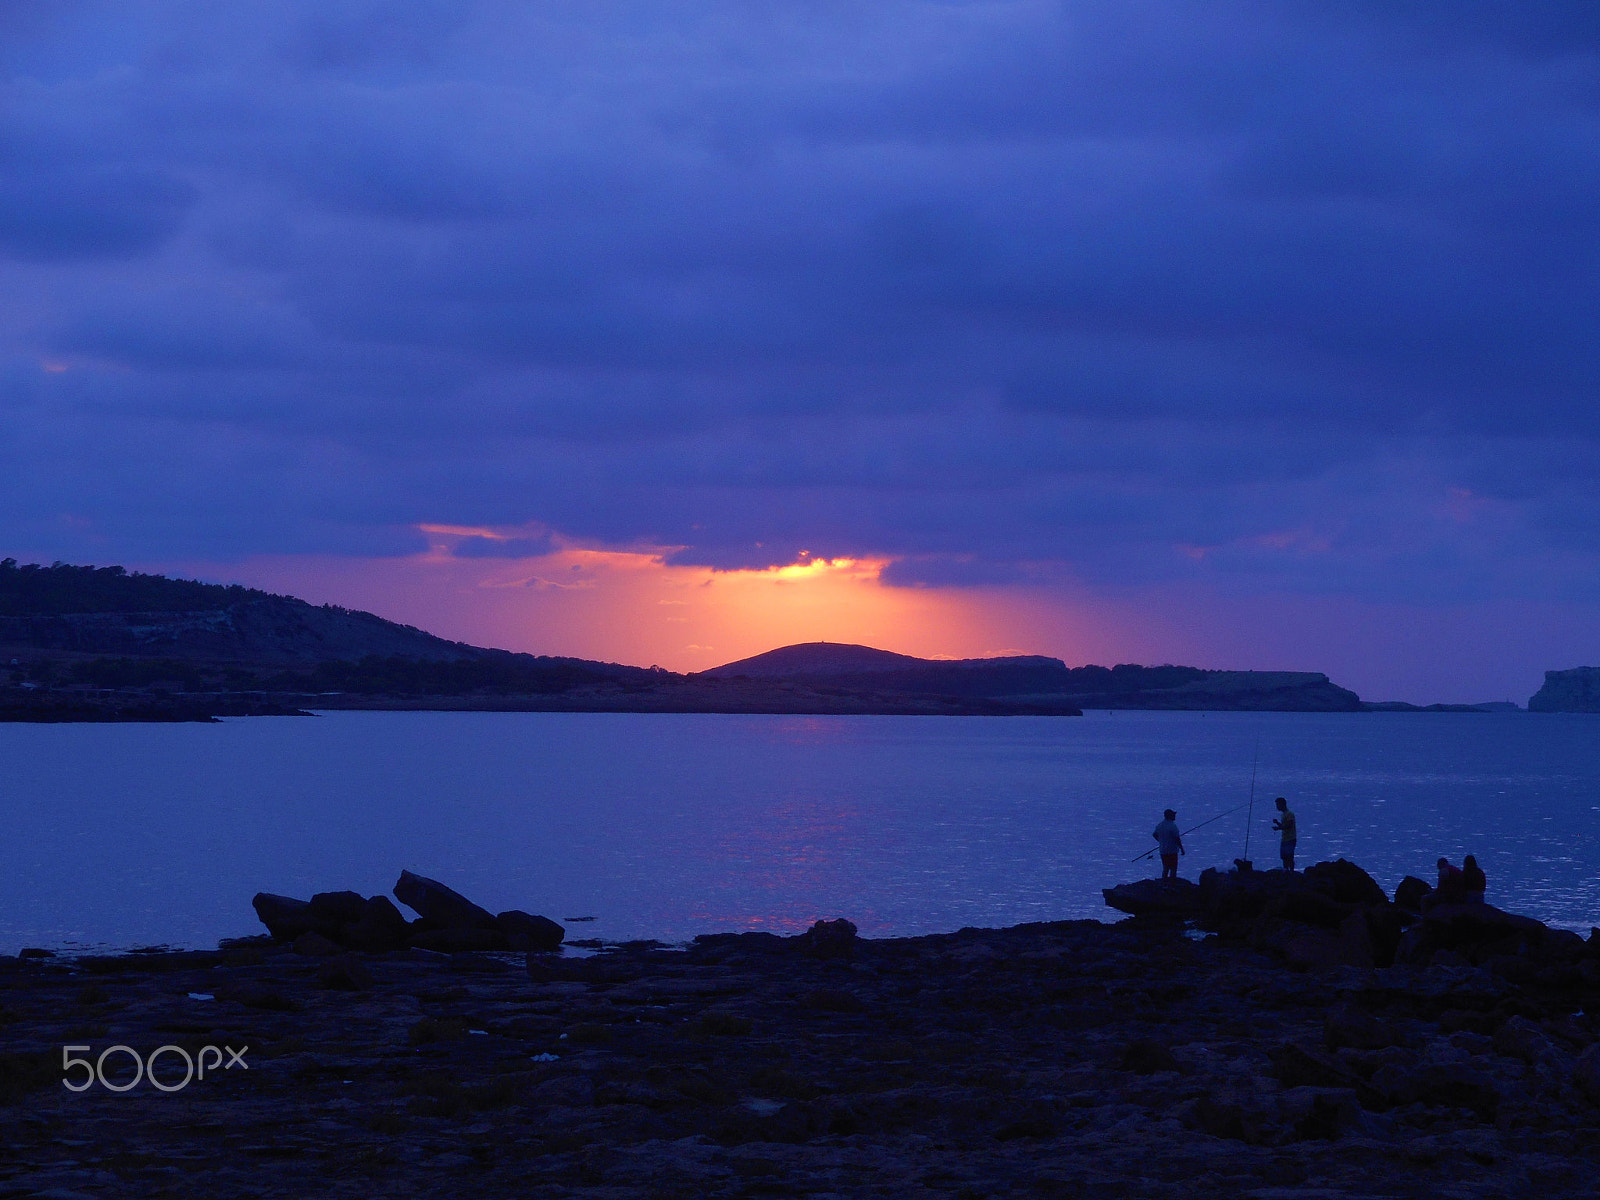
<point x="633" y="606"/>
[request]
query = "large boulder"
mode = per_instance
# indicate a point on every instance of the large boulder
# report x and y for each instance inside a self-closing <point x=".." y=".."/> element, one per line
<point x="285" y="917"/>
<point x="1462" y="925"/>
<point x="829" y="939"/>
<point x="1305" y="906"/>
<point x="379" y="927"/>
<point x="1155" y="897"/>
<point x="1477" y="932"/>
<point x="1345" y="882"/>
<point x="1564" y="945"/>
<point x="1228" y="897"/>
<point x="343" y="919"/>
<point x="524" y="931"/>
<point x="441" y="907"/>
<point x="337" y="908"/>
<point x="1324" y="894"/>
<point x="1411" y="892"/>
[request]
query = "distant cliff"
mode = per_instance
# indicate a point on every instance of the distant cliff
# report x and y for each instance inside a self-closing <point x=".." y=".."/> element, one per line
<point x="1577" y="690"/>
<point x="1241" y="691"/>
<point x="1036" y="679"/>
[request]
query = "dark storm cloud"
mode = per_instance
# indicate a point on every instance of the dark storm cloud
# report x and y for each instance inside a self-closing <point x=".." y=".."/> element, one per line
<point x="1287" y="296"/>
<point x="503" y="547"/>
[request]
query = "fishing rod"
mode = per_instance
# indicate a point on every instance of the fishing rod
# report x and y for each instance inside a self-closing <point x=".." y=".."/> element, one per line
<point x="1192" y="828"/>
<point x="1255" y="757"/>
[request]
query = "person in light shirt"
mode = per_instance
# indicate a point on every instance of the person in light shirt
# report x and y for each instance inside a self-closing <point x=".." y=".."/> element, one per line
<point x="1170" y="842"/>
<point x="1285" y="825"/>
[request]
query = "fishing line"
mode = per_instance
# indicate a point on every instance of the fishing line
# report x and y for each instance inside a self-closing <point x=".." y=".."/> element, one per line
<point x="1255" y="757"/>
<point x="1192" y="828"/>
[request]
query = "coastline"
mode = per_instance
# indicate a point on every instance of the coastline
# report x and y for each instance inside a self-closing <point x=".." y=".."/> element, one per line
<point x="711" y="697"/>
<point x="1061" y="1058"/>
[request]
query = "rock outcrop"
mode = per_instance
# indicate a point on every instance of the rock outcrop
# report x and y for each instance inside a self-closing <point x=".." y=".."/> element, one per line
<point x="1334" y="914"/>
<point x="285" y="917"/>
<point x="829" y="939"/>
<point x="1155" y="897"/>
<point x="448" y="923"/>
<point x="1573" y="691"/>
<point x="524" y="931"/>
<point x="441" y="907"/>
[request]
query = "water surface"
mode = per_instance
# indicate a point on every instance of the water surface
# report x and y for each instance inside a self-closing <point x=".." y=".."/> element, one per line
<point x="671" y="825"/>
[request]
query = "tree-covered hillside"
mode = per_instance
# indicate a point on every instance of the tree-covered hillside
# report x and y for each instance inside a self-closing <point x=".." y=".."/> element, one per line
<point x="33" y="590"/>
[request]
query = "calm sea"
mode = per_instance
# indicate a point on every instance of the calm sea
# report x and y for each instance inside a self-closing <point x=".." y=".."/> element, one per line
<point x="668" y="826"/>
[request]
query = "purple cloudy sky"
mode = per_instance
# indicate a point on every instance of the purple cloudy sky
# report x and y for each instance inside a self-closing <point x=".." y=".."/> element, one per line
<point x="1289" y="308"/>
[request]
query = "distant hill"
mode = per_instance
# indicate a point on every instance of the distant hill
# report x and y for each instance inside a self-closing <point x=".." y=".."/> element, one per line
<point x="1574" y="690"/>
<point x="843" y="658"/>
<point x="1036" y="679"/>
<point x="107" y="610"/>
<point x="74" y="633"/>
<point x="1488" y="706"/>
<point x="108" y="628"/>
<point x="36" y="591"/>
<point x="101" y="643"/>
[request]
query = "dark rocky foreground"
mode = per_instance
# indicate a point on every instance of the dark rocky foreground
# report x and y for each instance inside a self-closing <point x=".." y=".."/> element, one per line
<point x="1065" y="1059"/>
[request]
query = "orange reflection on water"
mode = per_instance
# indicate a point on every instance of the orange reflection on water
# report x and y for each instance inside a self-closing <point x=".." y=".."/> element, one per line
<point x="807" y="848"/>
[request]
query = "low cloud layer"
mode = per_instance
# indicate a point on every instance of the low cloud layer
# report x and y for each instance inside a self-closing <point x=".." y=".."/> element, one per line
<point x="1284" y="298"/>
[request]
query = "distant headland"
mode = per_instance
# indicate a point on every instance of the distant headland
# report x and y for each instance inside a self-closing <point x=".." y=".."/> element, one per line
<point x="103" y="643"/>
<point x="1576" y="690"/>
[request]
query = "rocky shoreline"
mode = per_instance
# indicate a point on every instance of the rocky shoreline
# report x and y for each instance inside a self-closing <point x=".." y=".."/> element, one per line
<point x="1143" y="1058"/>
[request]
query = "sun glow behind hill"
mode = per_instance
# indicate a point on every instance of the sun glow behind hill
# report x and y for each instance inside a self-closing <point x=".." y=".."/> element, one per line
<point x="546" y="594"/>
<point x="633" y="605"/>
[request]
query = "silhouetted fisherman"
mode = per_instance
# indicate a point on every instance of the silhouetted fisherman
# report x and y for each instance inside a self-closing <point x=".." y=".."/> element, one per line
<point x="1285" y="823"/>
<point x="1170" y="843"/>
<point x="1473" y="881"/>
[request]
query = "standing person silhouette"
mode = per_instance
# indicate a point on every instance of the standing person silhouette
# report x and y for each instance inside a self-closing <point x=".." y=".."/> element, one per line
<point x="1285" y="823"/>
<point x="1170" y="842"/>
